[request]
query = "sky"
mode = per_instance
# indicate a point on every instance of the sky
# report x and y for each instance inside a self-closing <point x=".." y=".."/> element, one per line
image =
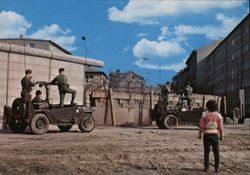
<point x="150" y="37"/>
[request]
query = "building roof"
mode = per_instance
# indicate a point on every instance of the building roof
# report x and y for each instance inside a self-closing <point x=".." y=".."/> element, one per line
<point x="124" y="74"/>
<point x="42" y="40"/>
<point x="92" y="70"/>
<point x="225" y="39"/>
<point x="203" y="51"/>
<point x="191" y="56"/>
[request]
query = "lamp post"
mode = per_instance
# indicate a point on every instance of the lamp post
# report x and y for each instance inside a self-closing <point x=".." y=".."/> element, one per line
<point x="85" y="46"/>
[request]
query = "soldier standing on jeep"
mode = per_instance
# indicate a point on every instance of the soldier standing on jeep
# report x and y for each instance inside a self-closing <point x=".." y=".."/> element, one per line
<point x="188" y="91"/>
<point x="27" y="85"/>
<point x="62" y="81"/>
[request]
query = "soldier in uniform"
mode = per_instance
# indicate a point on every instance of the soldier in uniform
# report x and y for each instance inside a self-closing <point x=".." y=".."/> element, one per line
<point x="27" y="85"/>
<point x="62" y="81"/>
<point x="186" y="94"/>
<point x="188" y="91"/>
<point x="165" y="91"/>
<point x="37" y="98"/>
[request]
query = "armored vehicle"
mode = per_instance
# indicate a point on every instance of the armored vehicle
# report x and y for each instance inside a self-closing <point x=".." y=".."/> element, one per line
<point x="38" y="116"/>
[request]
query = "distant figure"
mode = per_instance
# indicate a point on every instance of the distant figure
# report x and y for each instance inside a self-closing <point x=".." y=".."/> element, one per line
<point x="186" y="94"/>
<point x="27" y="85"/>
<point x="236" y="115"/>
<point x="211" y="126"/>
<point x="37" y="98"/>
<point x="62" y="81"/>
<point x="165" y="91"/>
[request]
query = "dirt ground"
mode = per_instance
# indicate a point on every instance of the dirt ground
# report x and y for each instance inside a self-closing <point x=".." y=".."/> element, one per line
<point x="108" y="150"/>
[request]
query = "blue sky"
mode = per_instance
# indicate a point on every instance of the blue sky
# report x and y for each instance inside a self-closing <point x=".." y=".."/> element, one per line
<point x="151" y="37"/>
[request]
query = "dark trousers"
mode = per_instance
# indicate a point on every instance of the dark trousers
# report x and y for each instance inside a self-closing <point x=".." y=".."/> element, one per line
<point x="208" y="141"/>
<point x="62" y="95"/>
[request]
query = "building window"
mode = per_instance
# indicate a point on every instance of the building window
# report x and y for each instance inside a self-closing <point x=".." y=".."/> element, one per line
<point x="238" y="53"/>
<point x="247" y="30"/>
<point x="232" y="42"/>
<point x="232" y="56"/>
<point x="32" y="45"/>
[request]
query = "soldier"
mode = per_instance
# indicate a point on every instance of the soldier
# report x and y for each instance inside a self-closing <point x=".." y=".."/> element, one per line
<point x="188" y="91"/>
<point x="27" y="85"/>
<point x="62" y="81"/>
<point x="165" y="91"/>
<point x="37" y="98"/>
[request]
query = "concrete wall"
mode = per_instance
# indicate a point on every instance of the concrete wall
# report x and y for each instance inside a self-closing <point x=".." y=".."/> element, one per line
<point x="133" y="107"/>
<point x="45" y="65"/>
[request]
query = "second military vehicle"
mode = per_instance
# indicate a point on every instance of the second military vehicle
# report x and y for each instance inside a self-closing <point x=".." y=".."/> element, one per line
<point x="169" y="117"/>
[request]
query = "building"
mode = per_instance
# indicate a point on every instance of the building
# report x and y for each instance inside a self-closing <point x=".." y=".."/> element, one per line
<point x="222" y="68"/>
<point x="195" y="71"/>
<point x="229" y="68"/>
<point x="96" y="78"/>
<point x="36" y="43"/>
<point x="126" y="82"/>
<point x="14" y="59"/>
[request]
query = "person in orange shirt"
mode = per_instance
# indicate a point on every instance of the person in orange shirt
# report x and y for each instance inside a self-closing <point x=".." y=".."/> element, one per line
<point x="211" y="127"/>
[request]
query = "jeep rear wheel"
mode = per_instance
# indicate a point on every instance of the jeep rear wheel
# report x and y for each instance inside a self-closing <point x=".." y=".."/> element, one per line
<point x="39" y="124"/>
<point x="18" y="109"/>
<point x="170" y="121"/>
<point x="87" y="123"/>
<point x="65" y="128"/>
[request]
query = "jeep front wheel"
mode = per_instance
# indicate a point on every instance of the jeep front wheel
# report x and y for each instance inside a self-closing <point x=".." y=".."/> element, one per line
<point x="39" y="124"/>
<point x="87" y="123"/>
<point x="170" y="121"/>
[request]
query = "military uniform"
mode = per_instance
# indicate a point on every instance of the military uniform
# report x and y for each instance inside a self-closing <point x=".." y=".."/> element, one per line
<point x="37" y="99"/>
<point x="27" y="85"/>
<point x="186" y="94"/>
<point x="62" y="81"/>
<point x="188" y="91"/>
<point x="165" y="90"/>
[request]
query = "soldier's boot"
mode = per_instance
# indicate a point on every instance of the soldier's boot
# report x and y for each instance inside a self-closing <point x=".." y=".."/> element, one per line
<point x="73" y="98"/>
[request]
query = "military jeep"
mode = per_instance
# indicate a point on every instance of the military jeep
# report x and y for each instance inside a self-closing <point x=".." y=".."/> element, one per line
<point x="170" y="116"/>
<point x="38" y="116"/>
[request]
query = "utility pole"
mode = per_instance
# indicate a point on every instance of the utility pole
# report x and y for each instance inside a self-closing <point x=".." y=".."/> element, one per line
<point x="85" y="46"/>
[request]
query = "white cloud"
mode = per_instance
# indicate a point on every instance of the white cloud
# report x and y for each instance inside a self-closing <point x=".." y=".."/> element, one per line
<point x="147" y="12"/>
<point x="12" y="24"/>
<point x="172" y="66"/>
<point x="211" y="31"/>
<point x="125" y="49"/>
<point x="56" y="34"/>
<point x="164" y="32"/>
<point x="147" y="48"/>
<point x="142" y="34"/>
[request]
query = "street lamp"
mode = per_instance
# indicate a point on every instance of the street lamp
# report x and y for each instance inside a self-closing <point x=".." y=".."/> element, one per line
<point x="85" y="45"/>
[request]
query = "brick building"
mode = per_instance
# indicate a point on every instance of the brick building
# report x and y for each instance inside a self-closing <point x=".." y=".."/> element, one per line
<point x="126" y="82"/>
